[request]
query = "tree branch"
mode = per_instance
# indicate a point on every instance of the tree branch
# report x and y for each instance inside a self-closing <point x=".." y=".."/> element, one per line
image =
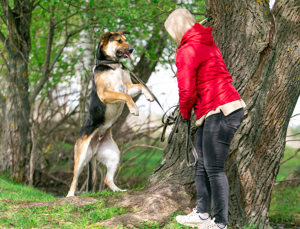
<point x="297" y="151"/>
<point x="46" y="71"/>
<point x="64" y="45"/>
<point x="34" y="5"/>
<point x="295" y="115"/>
<point x="148" y="19"/>
<point x="66" y="18"/>
<point x="5" y="62"/>
<point x="292" y="135"/>
<point x="2" y="37"/>
<point x="8" y="15"/>
<point x="203" y="14"/>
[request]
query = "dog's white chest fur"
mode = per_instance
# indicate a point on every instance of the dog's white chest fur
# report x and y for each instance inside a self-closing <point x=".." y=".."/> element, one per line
<point x="117" y="82"/>
<point x="117" y="79"/>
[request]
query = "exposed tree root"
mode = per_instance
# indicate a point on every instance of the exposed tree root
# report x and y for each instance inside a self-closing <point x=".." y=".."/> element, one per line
<point x="156" y="203"/>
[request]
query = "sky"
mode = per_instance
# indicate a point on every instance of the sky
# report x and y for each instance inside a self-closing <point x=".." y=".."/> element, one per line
<point x="164" y="86"/>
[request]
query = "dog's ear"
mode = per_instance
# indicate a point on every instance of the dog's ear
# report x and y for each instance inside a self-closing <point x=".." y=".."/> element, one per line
<point x="103" y="39"/>
<point x="123" y="32"/>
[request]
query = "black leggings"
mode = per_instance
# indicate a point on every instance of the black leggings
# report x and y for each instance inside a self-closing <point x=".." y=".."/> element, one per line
<point x="212" y="145"/>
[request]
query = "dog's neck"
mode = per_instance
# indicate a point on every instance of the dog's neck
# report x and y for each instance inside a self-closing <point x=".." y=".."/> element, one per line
<point x="101" y="57"/>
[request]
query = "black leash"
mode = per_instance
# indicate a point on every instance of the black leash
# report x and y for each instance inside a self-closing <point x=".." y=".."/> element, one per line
<point x="175" y="118"/>
<point x="150" y="92"/>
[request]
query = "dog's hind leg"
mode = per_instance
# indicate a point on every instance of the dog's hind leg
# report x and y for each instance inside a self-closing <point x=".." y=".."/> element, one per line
<point x="109" y="155"/>
<point x="82" y="155"/>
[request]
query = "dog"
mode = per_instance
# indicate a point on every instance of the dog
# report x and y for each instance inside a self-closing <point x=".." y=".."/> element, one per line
<point x="112" y="88"/>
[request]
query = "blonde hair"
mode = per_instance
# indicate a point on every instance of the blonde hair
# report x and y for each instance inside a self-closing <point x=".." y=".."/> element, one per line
<point x="178" y="22"/>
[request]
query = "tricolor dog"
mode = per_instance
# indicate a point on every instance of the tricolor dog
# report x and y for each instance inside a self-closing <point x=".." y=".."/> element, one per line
<point x="112" y="88"/>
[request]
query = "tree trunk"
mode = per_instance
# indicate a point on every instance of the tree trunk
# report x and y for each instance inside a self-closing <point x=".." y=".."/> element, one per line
<point x="17" y="109"/>
<point x="261" y="50"/>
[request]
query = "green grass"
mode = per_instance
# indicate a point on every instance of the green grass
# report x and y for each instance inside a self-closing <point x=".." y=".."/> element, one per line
<point x="289" y="166"/>
<point x="66" y="216"/>
<point x="285" y="201"/>
<point x="285" y="205"/>
<point x="136" y="173"/>
<point x="14" y="191"/>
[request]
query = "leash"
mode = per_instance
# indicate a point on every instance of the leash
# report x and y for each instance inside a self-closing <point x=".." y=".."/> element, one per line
<point x="150" y="92"/>
<point x="175" y="119"/>
<point x="170" y="120"/>
<point x="107" y="62"/>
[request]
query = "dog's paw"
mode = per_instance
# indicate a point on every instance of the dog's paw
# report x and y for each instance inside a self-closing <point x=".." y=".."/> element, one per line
<point x="149" y="97"/>
<point x="134" y="111"/>
<point x="119" y="190"/>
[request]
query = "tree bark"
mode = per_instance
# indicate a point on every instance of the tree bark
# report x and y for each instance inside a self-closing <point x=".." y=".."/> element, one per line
<point x="261" y="50"/>
<point x="17" y="109"/>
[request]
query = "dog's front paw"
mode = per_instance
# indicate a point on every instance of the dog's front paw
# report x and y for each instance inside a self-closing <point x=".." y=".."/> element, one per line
<point x="149" y="97"/>
<point x="134" y="111"/>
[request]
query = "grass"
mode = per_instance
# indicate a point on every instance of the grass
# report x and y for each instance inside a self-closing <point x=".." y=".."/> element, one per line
<point x="285" y="201"/>
<point x="14" y="191"/>
<point x="285" y="204"/>
<point x="66" y="216"/>
<point x="136" y="173"/>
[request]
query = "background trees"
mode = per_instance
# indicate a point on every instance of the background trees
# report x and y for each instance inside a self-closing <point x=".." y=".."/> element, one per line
<point x="44" y="71"/>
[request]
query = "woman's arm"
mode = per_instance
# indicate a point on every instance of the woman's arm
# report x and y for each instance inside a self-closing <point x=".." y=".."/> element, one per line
<point x="186" y="78"/>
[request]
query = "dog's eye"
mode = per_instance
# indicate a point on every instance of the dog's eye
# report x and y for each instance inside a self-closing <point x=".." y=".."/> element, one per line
<point x="120" y="41"/>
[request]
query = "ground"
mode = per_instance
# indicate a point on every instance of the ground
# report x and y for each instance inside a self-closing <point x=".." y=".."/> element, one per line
<point x="26" y="207"/>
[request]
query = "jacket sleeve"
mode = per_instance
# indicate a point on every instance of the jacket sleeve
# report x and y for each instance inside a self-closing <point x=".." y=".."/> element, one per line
<point x="186" y="78"/>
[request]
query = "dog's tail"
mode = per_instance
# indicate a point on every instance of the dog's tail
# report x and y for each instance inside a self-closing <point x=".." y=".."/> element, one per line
<point x="91" y="176"/>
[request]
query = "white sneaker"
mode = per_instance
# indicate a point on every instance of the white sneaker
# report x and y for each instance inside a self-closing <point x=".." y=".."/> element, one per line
<point x="212" y="225"/>
<point x="193" y="219"/>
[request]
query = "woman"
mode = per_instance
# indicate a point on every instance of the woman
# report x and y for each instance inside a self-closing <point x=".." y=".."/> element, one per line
<point x="205" y="85"/>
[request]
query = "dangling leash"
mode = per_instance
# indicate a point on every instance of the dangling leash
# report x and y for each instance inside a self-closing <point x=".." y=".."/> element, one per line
<point x="175" y="119"/>
<point x="170" y="120"/>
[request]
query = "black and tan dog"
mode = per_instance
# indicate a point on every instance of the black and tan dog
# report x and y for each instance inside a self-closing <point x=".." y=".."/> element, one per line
<point x="112" y="88"/>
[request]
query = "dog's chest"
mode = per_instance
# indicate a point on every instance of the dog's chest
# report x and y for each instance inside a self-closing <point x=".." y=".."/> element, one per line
<point x="117" y="80"/>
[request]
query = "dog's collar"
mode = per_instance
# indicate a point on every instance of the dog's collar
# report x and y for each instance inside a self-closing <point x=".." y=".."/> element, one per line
<point x="99" y="62"/>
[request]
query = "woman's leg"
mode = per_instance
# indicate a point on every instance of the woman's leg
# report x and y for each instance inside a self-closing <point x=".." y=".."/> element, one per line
<point x="218" y="131"/>
<point x="201" y="178"/>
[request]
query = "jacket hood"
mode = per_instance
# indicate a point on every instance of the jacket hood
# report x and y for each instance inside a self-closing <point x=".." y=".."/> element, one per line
<point x="198" y="34"/>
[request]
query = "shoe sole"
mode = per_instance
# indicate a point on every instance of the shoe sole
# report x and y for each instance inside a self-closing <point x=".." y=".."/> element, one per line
<point x="191" y="225"/>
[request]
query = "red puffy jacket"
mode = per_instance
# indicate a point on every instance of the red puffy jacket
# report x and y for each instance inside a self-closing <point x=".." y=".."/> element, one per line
<point x="203" y="80"/>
